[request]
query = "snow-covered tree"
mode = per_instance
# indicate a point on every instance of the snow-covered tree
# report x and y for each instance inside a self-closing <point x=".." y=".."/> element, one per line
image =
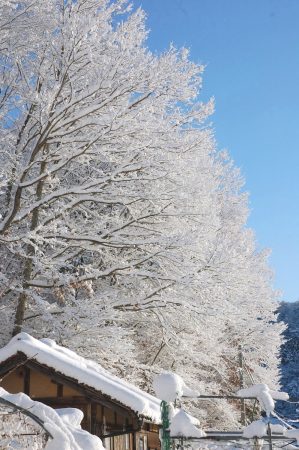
<point x="122" y="229"/>
<point x="91" y="136"/>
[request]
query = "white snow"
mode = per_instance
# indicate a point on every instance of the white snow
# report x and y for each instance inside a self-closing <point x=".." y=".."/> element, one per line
<point x="265" y="396"/>
<point x="70" y="416"/>
<point x="279" y="395"/>
<point x="169" y="386"/>
<point x="293" y="434"/>
<point x="182" y="424"/>
<point x="64" y="427"/>
<point x="277" y="428"/>
<point x="67" y="362"/>
<point x="258" y="428"/>
<point x="262" y="393"/>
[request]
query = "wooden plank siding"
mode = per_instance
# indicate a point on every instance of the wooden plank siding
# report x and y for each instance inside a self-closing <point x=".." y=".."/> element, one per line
<point x="118" y="426"/>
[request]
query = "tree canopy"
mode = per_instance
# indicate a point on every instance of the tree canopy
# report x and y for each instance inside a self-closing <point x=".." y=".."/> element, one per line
<point x="123" y="228"/>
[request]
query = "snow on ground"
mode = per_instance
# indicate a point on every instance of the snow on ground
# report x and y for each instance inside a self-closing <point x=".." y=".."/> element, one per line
<point x="67" y="362"/>
<point x="169" y="386"/>
<point x="63" y="426"/>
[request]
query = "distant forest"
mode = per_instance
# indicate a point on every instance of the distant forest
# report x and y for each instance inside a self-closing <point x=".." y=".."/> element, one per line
<point x="289" y="313"/>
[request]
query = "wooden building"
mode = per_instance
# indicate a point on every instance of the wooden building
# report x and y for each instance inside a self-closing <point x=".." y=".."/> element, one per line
<point x="125" y="417"/>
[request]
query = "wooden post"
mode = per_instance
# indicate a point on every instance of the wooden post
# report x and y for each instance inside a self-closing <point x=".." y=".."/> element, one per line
<point x="257" y="444"/>
<point x="88" y="416"/>
<point x="94" y="423"/>
<point x="59" y="390"/>
<point x="26" y="381"/>
<point x="182" y="443"/>
<point x="269" y="432"/>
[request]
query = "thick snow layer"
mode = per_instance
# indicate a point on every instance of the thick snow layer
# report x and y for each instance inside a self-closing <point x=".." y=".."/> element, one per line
<point x="277" y="428"/>
<point x="67" y="362"/>
<point x="169" y="386"/>
<point x="258" y="428"/>
<point x="65" y="429"/>
<point x="278" y="395"/>
<point x="264" y="395"/>
<point x="182" y="424"/>
<point x="70" y="416"/>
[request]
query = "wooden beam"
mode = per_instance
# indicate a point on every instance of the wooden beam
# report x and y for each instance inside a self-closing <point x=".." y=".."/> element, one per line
<point x="59" y="390"/>
<point x="130" y="430"/>
<point x="93" y="418"/>
<point x="26" y="381"/>
<point x="64" y="401"/>
<point x="88" y="417"/>
<point x="8" y="366"/>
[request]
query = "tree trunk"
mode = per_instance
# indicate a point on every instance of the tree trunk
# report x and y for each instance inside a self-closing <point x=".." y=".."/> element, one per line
<point x="21" y="306"/>
<point x="22" y="300"/>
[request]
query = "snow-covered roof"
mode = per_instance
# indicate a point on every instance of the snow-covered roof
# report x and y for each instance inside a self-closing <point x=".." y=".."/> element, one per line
<point x="87" y="372"/>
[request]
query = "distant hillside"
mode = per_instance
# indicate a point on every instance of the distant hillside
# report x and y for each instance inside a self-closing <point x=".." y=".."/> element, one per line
<point x="289" y="313"/>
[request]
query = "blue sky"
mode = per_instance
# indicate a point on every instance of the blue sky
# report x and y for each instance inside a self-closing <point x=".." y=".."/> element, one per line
<point x="251" y="50"/>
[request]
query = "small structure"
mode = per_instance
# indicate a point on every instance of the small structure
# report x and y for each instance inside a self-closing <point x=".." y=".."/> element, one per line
<point x="122" y="415"/>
